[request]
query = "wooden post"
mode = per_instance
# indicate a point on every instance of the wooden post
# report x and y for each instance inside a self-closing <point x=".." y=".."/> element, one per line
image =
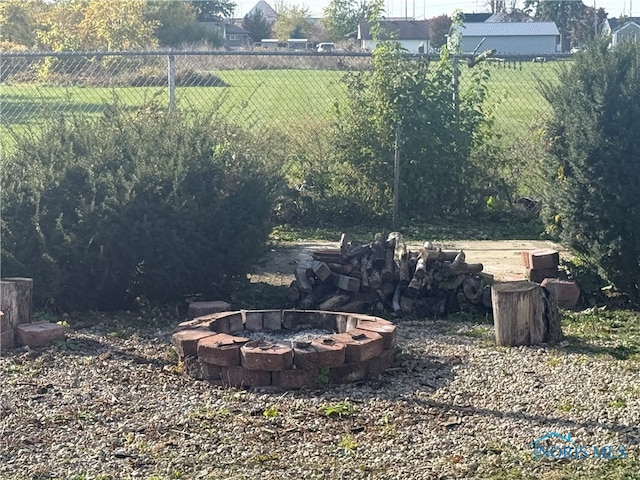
<point x="16" y="300"/>
<point x="523" y="314"/>
<point x="396" y="178"/>
<point x="171" y="80"/>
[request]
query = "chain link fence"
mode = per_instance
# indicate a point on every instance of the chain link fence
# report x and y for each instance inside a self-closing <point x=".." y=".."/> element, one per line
<point x="289" y="91"/>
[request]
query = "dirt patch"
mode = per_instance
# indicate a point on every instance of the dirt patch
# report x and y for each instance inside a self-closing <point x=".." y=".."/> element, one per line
<point x="501" y="258"/>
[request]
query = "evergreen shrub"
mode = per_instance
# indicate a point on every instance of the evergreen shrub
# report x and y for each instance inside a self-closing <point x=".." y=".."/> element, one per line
<point x="593" y="165"/>
<point x="149" y="207"/>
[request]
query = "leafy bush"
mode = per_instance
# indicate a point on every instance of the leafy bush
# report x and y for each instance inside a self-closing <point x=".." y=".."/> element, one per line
<point x="443" y="131"/>
<point x="593" y="166"/>
<point x="101" y="213"/>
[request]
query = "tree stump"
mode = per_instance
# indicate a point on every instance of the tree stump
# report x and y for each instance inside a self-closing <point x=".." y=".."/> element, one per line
<point x="524" y="314"/>
<point x="16" y="300"/>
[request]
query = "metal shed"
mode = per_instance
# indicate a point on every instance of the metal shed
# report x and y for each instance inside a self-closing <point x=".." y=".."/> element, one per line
<point x="513" y="38"/>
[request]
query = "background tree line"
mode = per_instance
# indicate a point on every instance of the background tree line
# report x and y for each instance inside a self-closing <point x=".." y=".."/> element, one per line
<point x="135" y="24"/>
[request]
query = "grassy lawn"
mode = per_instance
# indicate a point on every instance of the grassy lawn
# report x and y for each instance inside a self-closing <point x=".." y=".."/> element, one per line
<point x="285" y="99"/>
<point x="515" y="96"/>
<point x="253" y="97"/>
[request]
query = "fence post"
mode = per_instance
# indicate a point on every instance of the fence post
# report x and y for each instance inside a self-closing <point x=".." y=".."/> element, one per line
<point x="456" y="85"/>
<point x="396" y="177"/>
<point x="171" y="77"/>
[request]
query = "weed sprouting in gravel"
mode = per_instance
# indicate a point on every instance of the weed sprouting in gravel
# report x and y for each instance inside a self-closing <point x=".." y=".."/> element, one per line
<point x="344" y="408"/>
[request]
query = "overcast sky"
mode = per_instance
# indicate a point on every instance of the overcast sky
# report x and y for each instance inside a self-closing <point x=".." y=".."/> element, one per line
<point x="432" y="8"/>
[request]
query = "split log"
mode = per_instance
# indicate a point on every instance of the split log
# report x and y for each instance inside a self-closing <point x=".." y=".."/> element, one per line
<point x="427" y="281"/>
<point x="385" y="291"/>
<point x="400" y="257"/>
<point x="486" y="296"/>
<point x="344" y="241"/>
<point x="455" y="283"/>
<point x="17" y="300"/>
<point x="441" y="255"/>
<point x="458" y="267"/>
<point x="358" y="251"/>
<point x="329" y="255"/>
<point x="415" y="285"/>
<point x="406" y="304"/>
<point x="521" y="315"/>
<point x="358" y="302"/>
<point x="375" y="279"/>
<point x="395" y="303"/>
<point x="379" y="252"/>
<point x="334" y="302"/>
<point x="341" y="268"/>
<point x="303" y="281"/>
<point x="293" y="292"/>
<point x="389" y="273"/>
<point x="421" y="267"/>
<point x="472" y="288"/>
<point x="364" y="272"/>
<point x="412" y="260"/>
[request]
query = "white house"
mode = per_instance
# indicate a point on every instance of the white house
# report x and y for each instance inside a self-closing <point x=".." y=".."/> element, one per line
<point x="413" y="35"/>
<point x="619" y="31"/>
<point x="511" y="38"/>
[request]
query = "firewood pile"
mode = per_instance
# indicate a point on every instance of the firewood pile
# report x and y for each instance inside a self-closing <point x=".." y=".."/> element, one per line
<point x="385" y="275"/>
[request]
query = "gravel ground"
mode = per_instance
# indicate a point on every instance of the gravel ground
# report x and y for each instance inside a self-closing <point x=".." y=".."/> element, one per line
<point x="112" y="403"/>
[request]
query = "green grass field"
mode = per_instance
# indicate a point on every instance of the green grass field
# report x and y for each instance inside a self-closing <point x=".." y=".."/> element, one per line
<point x="284" y="99"/>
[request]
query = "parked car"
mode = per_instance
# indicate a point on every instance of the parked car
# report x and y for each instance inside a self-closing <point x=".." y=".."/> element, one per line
<point x="325" y="47"/>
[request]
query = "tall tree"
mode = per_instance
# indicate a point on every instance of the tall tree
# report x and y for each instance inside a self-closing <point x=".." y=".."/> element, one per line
<point x="565" y="14"/>
<point x="116" y="26"/>
<point x="341" y="17"/>
<point x="18" y="21"/>
<point x="293" y="22"/>
<point x="587" y="26"/>
<point x="58" y="29"/>
<point x="439" y="29"/>
<point x="176" y="23"/>
<point x="212" y="8"/>
<point x="257" y="26"/>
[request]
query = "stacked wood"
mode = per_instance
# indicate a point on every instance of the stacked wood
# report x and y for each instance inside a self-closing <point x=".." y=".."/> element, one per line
<point x="385" y="275"/>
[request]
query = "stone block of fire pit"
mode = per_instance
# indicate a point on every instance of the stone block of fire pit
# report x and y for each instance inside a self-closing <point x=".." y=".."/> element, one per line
<point x="221" y="349"/>
<point x="295" y="378"/>
<point x="349" y="372"/>
<point x="253" y="320"/>
<point x="379" y="364"/>
<point x="272" y="320"/>
<point x="198" y="309"/>
<point x="240" y="376"/>
<point x="301" y="319"/>
<point x="202" y="370"/>
<point x="227" y="323"/>
<point x="386" y="329"/>
<point x="38" y="334"/>
<point x="319" y="353"/>
<point x="263" y="355"/>
<point x="360" y="345"/>
<point x="186" y="341"/>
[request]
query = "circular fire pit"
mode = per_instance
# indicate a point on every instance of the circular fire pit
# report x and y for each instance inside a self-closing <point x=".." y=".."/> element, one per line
<point x="285" y="348"/>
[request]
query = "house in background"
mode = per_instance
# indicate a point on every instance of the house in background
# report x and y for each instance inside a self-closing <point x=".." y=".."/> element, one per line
<point x="621" y="30"/>
<point x="267" y="11"/>
<point x="235" y="36"/>
<point x="476" y="17"/>
<point x="511" y="38"/>
<point x="413" y="35"/>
